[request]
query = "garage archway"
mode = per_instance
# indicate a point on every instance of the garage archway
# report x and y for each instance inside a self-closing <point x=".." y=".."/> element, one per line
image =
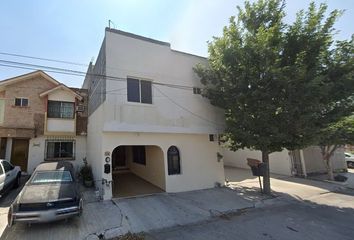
<point x="137" y="170"/>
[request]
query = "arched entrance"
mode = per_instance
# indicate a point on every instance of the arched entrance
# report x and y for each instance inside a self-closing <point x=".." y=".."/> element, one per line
<point x="119" y="160"/>
<point x="137" y="170"/>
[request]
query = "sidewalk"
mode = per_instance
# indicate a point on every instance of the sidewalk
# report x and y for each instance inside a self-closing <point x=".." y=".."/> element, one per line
<point x="112" y="218"/>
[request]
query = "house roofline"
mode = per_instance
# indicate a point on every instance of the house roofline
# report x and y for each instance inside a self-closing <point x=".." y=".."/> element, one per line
<point x="139" y="37"/>
<point x="13" y="80"/>
<point x="132" y="35"/>
<point x="63" y="87"/>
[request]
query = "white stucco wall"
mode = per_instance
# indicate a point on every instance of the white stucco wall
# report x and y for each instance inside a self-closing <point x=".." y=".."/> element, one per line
<point x="199" y="166"/>
<point x="95" y="154"/>
<point x="126" y="56"/>
<point x="61" y="95"/>
<point x="36" y="152"/>
<point x="8" y="149"/>
<point x="314" y="163"/>
<point x="154" y="169"/>
<point x="279" y="162"/>
<point x="61" y="125"/>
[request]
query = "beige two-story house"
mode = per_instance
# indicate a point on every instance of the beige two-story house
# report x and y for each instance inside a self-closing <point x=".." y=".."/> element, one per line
<point x="41" y="120"/>
<point x="149" y="128"/>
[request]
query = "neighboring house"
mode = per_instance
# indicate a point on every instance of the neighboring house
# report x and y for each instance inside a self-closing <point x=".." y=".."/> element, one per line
<point x="291" y="163"/>
<point x="153" y="134"/>
<point x="39" y="121"/>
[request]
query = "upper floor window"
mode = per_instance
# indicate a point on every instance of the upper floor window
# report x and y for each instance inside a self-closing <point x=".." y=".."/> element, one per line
<point x="139" y="91"/>
<point x="58" y="109"/>
<point x="21" y="102"/>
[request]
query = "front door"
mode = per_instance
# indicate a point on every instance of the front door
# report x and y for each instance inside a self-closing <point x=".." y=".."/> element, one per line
<point x="19" y="153"/>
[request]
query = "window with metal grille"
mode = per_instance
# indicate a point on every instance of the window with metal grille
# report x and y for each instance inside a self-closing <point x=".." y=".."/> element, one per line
<point x="139" y="91"/>
<point x="58" y="109"/>
<point x="174" y="161"/>
<point x="60" y="149"/>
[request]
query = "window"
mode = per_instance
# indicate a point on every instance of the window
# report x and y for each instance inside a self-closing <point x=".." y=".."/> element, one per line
<point x="21" y="102"/>
<point x="52" y="177"/>
<point x="57" y="109"/>
<point x="7" y="166"/>
<point x="139" y="91"/>
<point x="1" y="170"/>
<point x="197" y="90"/>
<point x="139" y="155"/>
<point x="60" y="150"/>
<point x="174" y="162"/>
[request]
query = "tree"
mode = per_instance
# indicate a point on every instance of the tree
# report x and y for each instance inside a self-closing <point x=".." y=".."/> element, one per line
<point x="334" y="136"/>
<point x="278" y="84"/>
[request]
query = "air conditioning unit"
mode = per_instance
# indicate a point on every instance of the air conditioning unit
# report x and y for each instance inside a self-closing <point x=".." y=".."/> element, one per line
<point x="80" y="108"/>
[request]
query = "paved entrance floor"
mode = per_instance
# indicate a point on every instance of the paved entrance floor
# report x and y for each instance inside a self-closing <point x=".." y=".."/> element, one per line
<point x="127" y="184"/>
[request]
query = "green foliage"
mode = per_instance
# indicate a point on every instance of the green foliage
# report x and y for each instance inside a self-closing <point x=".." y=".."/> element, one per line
<point x="339" y="133"/>
<point x="279" y="84"/>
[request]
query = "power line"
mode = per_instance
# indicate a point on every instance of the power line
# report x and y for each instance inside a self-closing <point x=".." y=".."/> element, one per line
<point x="44" y="59"/>
<point x="186" y="109"/>
<point x="22" y="65"/>
<point x="77" y="73"/>
<point x="81" y="64"/>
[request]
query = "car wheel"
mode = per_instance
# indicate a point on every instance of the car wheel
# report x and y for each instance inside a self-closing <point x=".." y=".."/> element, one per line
<point x="10" y="217"/>
<point x="350" y="164"/>
<point x="81" y="207"/>
<point x="17" y="181"/>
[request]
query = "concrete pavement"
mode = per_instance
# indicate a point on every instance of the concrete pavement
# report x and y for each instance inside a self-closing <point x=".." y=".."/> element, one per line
<point x="292" y="221"/>
<point x="304" y="209"/>
<point x="112" y="218"/>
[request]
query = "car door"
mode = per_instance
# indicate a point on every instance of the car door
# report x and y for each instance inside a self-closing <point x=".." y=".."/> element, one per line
<point x="10" y="174"/>
<point x="2" y="177"/>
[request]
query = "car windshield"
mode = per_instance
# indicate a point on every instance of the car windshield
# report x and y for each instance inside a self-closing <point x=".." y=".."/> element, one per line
<point x="52" y="177"/>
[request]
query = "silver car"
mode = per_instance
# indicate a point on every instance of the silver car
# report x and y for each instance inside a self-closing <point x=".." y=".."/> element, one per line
<point x="10" y="176"/>
<point x="349" y="159"/>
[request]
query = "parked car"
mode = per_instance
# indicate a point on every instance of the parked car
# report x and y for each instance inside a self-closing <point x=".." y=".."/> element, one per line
<point x="10" y="176"/>
<point x="51" y="193"/>
<point x="349" y="159"/>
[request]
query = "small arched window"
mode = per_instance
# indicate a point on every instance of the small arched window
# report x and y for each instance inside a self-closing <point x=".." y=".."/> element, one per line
<point x="174" y="161"/>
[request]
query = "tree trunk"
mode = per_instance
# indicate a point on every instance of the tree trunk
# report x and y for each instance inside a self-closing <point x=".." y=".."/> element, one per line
<point x="266" y="177"/>
<point x="327" y="153"/>
<point x="329" y="169"/>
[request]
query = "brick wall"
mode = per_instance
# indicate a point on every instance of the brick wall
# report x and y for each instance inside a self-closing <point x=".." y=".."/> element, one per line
<point x="31" y="117"/>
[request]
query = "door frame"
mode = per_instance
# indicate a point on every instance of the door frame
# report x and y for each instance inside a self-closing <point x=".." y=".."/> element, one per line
<point x="12" y="153"/>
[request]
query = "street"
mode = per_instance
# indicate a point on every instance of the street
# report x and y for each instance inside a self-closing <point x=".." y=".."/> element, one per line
<point x="285" y="220"/>
<point x="301" y="209"/>
<point x="304" y="209"/>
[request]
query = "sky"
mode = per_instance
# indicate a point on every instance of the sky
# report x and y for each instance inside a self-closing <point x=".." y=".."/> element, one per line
<point x="73" y="30"/>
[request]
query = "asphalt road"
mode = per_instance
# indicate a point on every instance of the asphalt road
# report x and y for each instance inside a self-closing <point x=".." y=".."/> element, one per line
<point x="287" y="219"/>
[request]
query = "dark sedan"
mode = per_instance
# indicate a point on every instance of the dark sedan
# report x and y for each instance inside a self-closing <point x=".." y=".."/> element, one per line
<point x="50" y="194"/>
